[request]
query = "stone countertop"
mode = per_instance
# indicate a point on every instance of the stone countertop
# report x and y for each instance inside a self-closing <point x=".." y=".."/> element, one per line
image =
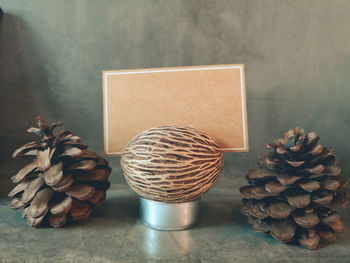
<point x="114" y="233"/>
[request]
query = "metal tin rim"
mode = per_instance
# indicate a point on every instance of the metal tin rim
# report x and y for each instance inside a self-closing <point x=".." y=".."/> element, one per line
<point x="168" y="216"/>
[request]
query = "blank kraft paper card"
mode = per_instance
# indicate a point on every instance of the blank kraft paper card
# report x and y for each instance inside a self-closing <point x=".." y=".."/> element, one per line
<point x="209" y="98"/>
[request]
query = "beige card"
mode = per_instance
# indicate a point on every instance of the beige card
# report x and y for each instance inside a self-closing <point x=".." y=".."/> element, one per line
<point x="208" y="98"/>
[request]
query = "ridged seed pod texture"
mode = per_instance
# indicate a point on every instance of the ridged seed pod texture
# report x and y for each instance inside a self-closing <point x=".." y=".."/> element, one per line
<point x="172" y="164"/>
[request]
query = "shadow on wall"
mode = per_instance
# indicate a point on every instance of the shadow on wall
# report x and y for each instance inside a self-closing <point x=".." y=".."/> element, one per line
<point x="18" y="107"/>
<point x="334" y="110"/>
<point x="16" y="100"/>
<point x="327" y="114"/>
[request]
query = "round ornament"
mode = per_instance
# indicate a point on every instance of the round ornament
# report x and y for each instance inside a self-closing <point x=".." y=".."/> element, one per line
<point x="172" y="164"/>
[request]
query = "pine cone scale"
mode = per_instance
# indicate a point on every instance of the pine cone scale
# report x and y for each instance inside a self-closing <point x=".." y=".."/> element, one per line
<point x="283" y="230"/>
<point x="54" y="175"/>
<point x="31" y="189"/>
<point x="309" y="239"/>
<point x="308" y="220"/>
<point x="58" y="220"/>
<point x="39" y="204"/>
<point x="81" y="191"/>
<point x="62" y="206"/>
<point x="279" y="210"/>
<point x="16" y="203"/>
<point x="64" y="184"/>
<point x="24" y="172"/>
<point x="27" y="148"/>
<point x="43" y="159"/>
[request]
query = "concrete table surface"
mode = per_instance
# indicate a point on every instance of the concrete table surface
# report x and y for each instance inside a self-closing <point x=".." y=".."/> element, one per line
<point x="114" y="233"/>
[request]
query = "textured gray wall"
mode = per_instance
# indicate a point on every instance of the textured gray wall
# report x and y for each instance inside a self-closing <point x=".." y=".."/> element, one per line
<point x="297" y="57"/>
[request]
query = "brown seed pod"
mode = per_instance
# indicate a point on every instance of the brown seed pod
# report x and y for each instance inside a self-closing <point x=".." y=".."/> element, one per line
<point x="172" y="164"/>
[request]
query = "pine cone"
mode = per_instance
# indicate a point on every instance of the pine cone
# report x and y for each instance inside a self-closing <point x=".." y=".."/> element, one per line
<point x="293" y="194"/>
<point x="64" y="182"/>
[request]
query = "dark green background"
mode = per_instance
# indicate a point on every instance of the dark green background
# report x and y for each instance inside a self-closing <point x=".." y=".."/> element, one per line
<point x="296" y="53"/>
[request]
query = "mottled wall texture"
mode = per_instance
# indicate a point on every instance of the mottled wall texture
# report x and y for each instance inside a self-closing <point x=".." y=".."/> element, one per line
<point x="296" y="53"/>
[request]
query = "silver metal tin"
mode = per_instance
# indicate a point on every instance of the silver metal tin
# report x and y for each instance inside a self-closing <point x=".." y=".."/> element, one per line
<point x="168" y="216"/>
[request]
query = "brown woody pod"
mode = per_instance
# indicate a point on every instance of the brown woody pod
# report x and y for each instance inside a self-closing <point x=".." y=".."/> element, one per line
<point x="172" y="164"/>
